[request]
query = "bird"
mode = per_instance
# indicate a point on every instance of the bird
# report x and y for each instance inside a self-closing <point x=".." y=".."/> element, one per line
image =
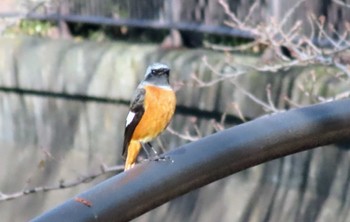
<point x="151" y="109"/>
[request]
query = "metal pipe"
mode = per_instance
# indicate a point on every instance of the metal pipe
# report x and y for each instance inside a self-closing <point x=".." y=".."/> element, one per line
<point x="151" y="24"/>
<point x="150" y="184"/>
<point x="142" y="23"/>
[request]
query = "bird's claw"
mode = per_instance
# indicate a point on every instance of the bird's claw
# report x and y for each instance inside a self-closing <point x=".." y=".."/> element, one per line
<point x="160" y="158"/>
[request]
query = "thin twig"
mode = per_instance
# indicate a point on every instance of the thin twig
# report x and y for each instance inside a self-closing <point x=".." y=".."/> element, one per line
<point x="185" y="136"/>
<point x="291" y="102"/>
<point x="221" y="77"/>
<point x="239" y="112"/>
<point x="269" y="97"/>
<point x="251" y="11"/>
<point x="62" y="184"/>
<point x="254" y="98"/>
<point x="228" y="12"/>
<point x="290" y="13"/>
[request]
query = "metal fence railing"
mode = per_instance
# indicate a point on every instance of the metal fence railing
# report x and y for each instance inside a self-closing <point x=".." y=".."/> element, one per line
<point x="190" y="15"/>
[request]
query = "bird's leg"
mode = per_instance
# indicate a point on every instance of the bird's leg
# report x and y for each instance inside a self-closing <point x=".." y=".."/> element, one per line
<point x="156" y="157"/>
<point x="149" y="146"/>
<point x="145" y="149"/>
<point x="154" y="151"/>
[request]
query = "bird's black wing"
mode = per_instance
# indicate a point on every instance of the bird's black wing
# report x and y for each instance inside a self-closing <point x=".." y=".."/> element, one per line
<point x="134" y="116"/>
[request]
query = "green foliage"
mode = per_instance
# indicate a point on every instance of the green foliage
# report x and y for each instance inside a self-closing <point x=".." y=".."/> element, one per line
<point x="225" y="40"/>
<point x="109" y="33"/>
<point x="31" y="27"/>
<point x="103" y="32"/>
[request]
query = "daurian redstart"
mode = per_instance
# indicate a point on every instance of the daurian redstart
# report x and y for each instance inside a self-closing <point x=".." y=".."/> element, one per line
<point x="151" y="110"/>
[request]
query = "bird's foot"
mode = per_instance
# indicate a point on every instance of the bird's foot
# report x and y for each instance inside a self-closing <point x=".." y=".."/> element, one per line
<point x="160" y="158"/>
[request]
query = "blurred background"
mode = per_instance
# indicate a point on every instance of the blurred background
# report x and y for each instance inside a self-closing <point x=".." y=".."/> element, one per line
<point x="68" y="69"/>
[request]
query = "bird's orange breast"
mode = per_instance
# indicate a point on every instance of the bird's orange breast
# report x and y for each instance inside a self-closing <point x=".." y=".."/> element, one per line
<point x="159" y="107"/>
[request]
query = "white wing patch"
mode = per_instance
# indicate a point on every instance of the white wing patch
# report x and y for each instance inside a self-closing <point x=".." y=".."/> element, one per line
<point x="129" y="118"/>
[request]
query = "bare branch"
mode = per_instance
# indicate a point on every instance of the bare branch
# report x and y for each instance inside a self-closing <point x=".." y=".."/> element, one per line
<point x="185" y="136"/>
<point x="344" y="68"/>
<point x="312" y="24"/>
<point x="62" y="184"/>
<point x="254" y="98"/>
<point x="221" y="77"/>
<point x="239" y="112"/>
<point x="217" y="126"/>
<point x="269" y="97"/>
<point x="287" y="99"/>
<point x="230" y="13"/>
<point x="290" y="13"/>
<point x="342" y="95"/>
<point x="251" y="11"/>
<point x="302" y="48"/>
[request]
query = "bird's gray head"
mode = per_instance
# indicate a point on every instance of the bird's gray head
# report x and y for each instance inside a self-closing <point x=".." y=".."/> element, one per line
<point x="157" y="74"/>
<point x="156" y="68"/>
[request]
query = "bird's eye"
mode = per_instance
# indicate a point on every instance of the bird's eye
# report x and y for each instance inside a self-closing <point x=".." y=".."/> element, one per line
<point x="153" y="71"/>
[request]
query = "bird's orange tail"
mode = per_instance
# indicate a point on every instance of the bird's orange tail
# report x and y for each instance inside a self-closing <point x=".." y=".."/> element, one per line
<point x="132" y="152"/>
